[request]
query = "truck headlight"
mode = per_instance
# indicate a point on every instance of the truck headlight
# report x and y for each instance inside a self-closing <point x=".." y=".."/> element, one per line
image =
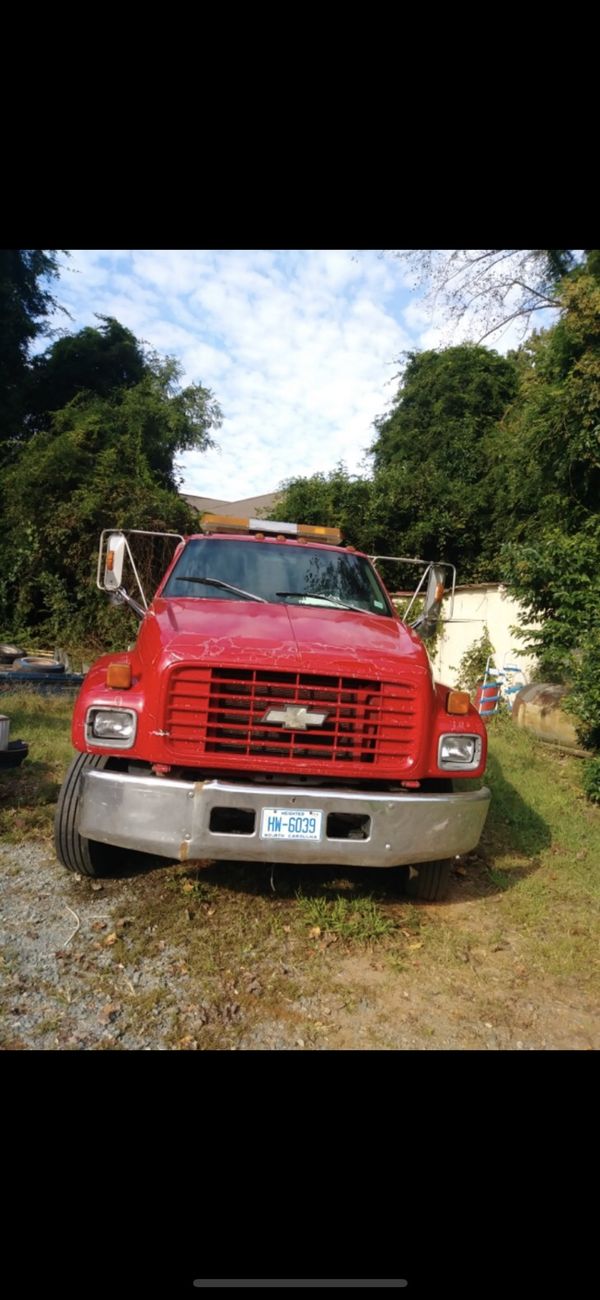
<point x="459" y="751"/>
<point x="114" y="727"/>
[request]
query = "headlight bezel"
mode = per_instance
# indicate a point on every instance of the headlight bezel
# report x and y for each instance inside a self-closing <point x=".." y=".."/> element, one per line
<point x="109" y="742"/>
<point x="454" y="764"/>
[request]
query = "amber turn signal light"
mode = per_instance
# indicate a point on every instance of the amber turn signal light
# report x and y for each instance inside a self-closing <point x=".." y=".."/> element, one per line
<point x="458" y="702"/>
<point x="119" y="675"/>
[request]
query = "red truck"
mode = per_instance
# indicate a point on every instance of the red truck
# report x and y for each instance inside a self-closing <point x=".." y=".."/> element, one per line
<point x="276" y="708"/>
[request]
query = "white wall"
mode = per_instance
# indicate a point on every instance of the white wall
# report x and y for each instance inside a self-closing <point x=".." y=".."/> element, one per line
<point x="475" y="607"/>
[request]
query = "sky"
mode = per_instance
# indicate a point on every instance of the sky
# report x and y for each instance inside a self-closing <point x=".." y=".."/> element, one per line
<point x="302" y="349"/>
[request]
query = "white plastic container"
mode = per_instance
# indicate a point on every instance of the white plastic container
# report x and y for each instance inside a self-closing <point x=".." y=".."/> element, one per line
<point x="4" y="731"/>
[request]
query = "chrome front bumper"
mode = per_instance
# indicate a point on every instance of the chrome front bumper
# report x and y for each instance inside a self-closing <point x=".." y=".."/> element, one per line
<point x="173" y="819"/>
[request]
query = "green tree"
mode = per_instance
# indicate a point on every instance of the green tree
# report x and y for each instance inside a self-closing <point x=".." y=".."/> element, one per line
<point x="552" y="496"/>
<point x="339" y="499"/>
<point x="553" y="428"/>
<point x="106" y="458"/>
<point x="26" y="302"/>
<point x="438" y="437"/>
<point x="429" y="494"/>
<point x="100" y="360"/>
<point x="107" y="363"/>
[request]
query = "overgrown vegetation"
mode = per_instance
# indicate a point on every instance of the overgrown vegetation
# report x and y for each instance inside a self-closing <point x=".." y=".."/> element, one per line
<point x="552" y="558"/>
<point x="104" y="419"/>
<point x="429" y="494"/>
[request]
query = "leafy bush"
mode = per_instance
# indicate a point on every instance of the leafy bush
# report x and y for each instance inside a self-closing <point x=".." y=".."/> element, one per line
<point x="473" y="663"/>
<point x="557" y="580"/>
<point x="591" y="779"/>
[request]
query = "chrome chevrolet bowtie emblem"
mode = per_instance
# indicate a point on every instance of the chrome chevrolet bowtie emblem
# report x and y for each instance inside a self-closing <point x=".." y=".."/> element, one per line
<point x="296" y="716"/>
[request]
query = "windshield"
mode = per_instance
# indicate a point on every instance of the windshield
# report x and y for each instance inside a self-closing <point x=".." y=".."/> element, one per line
<point x="276" y="572"/>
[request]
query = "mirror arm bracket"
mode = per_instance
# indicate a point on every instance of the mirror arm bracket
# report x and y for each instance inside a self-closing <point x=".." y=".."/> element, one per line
<point x="122" y="597"/>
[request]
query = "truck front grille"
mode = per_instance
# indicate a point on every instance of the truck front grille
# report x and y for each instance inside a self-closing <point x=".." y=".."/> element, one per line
<point x="221" y="711"/>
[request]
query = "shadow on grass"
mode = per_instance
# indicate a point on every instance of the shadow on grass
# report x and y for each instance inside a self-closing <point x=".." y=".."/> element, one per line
<point x="513" y="825"/>
<point x="28" y="786"/>
<point x="385" y="885"/>
<point x="280" y="880"/>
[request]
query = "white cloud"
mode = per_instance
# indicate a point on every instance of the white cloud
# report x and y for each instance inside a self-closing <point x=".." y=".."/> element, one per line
<point x="300" y="347"/>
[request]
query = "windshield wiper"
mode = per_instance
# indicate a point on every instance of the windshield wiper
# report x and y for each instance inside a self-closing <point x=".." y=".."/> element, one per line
<point x="322" y="595"/>
<point x="214" y="582"/>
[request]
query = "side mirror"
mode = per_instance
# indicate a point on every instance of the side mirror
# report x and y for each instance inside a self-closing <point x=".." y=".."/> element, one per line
<point x="113" y="549"/>
<point x="427" y="621"/>
<point x="114" y="562"/>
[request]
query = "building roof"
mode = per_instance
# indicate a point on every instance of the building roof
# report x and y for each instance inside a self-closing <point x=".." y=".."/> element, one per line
<point x="246" y="506"/>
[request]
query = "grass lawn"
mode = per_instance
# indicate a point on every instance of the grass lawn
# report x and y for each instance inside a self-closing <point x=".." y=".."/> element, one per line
<point x="28" y="793"/>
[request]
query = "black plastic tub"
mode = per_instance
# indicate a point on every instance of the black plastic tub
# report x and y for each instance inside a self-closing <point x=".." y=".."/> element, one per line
<point x="13" y="756"/>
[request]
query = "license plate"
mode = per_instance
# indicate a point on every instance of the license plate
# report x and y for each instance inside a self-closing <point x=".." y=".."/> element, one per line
<point x="290" y="824"/>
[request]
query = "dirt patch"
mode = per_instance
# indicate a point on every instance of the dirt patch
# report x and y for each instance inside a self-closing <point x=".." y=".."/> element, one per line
<point x="481" y="1010"/>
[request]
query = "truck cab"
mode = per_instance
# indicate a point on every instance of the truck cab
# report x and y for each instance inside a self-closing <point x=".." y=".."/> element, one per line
<point x="275" y="707"/>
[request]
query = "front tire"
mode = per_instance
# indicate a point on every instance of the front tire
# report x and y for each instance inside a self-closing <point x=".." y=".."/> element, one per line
<point x="430" y="883"/>
<point x="87" y="857"/>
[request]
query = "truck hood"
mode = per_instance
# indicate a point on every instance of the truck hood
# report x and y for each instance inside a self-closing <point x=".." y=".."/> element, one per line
<point x="293" y="638"/>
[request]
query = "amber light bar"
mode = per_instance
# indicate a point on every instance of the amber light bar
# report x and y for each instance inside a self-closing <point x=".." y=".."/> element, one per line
<point x="233" y="524"/>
